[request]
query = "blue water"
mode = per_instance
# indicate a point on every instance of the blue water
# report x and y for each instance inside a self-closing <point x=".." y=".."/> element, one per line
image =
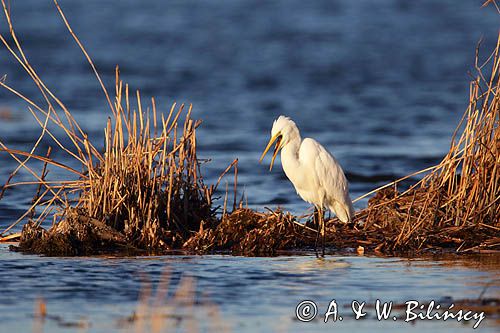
<point x="382" y="84"/>
<point x="252" y="294"/>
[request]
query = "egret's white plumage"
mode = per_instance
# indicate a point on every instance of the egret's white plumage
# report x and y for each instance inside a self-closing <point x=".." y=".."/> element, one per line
<point x="313" y="171"/>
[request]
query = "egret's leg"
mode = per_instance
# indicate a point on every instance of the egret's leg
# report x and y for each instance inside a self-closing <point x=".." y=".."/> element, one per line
<point x="322" y="219"/>
<point x="316" y="217"/>
<point x="317" y="221"/>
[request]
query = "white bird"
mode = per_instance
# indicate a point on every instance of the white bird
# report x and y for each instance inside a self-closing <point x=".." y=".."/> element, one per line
<point x="313" y="171"/>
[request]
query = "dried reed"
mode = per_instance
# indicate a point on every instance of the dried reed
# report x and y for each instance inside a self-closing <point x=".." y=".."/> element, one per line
<point x="458" y="203"/>
<point x="145" y="183"/>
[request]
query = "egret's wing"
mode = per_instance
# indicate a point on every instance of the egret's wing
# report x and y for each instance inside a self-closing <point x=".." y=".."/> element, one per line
<point x="330" y="177"/>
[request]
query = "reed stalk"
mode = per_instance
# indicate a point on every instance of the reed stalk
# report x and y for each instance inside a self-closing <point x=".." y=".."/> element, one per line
<point x="145" y="182"/>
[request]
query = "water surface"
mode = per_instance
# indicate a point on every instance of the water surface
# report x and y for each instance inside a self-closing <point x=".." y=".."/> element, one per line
<point x="252" y="294"/>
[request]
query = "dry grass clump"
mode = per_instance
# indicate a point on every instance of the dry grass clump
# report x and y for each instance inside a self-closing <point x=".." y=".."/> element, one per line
<point x="75" y="235"/>
<point x="145" y="184"/>
<point x="246" y="232"/>
<point x="457" y="204"/>
<point x="250" y="233"/>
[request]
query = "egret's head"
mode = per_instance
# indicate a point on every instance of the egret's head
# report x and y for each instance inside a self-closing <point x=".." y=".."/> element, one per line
<point x="284" y="129"/>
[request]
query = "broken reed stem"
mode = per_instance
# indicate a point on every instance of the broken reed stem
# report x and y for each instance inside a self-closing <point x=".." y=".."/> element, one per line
<point x="235" y="189"/>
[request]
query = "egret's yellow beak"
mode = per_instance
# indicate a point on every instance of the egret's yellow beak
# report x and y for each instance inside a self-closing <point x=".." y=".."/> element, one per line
<point x="277" y="136"/>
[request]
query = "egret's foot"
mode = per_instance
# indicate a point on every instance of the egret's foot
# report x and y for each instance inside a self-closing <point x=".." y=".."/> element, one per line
<point x="323" y="241"/>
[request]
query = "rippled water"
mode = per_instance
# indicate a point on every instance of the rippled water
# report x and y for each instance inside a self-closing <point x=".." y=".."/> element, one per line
<point x="253" y="294"/>
<point x="382" y="84"/>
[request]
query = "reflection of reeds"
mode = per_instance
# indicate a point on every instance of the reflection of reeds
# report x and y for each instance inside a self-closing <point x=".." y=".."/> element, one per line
<point x="159" y="312"/>
<point x="155" y="312"/>
<point x="145" y="184"/>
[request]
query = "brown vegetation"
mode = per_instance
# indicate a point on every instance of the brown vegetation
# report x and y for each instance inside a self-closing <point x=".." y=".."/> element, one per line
<point x="145" y="184"/>
<point x="457" y="205"/>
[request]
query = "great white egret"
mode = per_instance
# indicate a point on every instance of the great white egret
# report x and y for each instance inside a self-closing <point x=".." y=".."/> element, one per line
<point x="313" y="171"/>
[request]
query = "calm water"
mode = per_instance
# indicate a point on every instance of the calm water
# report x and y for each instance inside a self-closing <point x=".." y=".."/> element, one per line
<point x="382" y="84"/>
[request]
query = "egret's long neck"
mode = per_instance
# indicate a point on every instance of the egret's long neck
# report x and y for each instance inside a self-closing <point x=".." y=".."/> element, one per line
<point x="290" y="152"/>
